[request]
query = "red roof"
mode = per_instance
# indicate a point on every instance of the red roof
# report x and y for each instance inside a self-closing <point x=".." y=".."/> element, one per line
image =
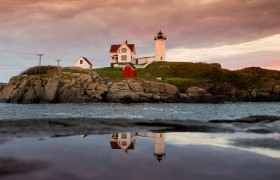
<point x="114" y="145"/>
<point x="131" y="65"/>
<point x="115" y="47"/>
<point x="87" y="60"/>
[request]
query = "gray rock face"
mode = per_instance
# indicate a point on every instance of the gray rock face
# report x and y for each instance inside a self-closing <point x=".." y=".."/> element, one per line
<point x="79" y="87"/>
<point x="276" y="89"/>
<point x="2" y="86"/>
<point x="85" y="88"/>
<point x="50" y="90"/>
<point x="131" y="90"/>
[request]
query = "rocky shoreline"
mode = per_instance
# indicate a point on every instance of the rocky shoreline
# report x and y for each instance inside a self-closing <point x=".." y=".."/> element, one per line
<point x="90" y="87"/>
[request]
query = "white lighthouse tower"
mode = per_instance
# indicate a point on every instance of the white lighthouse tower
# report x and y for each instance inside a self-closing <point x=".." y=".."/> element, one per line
<point x="160" y="46"/>
<point x="159" y="146"/>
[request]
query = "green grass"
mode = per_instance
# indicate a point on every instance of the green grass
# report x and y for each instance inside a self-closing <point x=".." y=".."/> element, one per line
<point x="180" y="74"/>
<point x="182" y="70"/>
<point x="176" y="73"/>
<point x="74" y="70"/>
<point x="114" y="73"/>
<point x="180" y="81"/>
<point x="38" y="70"/>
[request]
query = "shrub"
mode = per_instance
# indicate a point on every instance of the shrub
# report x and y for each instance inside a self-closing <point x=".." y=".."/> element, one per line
<point x="36" y="70"/>
<point x="236" y="78"/>
<point x="215" y="74"/>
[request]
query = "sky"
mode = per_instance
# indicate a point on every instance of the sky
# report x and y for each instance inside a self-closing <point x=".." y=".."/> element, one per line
<point x="236" y="33"/>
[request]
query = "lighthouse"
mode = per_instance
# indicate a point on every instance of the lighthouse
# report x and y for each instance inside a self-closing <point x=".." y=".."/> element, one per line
<point x="160" y="46"/>
<point x="159" y="146"/>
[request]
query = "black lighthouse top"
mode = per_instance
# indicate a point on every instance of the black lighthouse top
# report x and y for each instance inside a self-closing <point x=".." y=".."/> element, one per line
<point x="159" y="157"/>
<point x="160" y="36"/>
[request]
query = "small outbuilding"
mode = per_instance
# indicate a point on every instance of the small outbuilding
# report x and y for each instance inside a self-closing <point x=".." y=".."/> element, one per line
<point x="83" y="63"/>
<point x="129" y="70"/>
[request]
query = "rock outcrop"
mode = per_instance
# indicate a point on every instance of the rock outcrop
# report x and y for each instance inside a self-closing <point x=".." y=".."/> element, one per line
<point x="85" y="88"/>
<point x="88" y="86"/>
<point x="2" y="86"/>
<point x="132" y="90"/>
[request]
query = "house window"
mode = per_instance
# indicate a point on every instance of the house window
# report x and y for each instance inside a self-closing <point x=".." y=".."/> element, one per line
<point x="124" y="136"/>
<point x="123" y="143"/>
<point x="124" y="50"/>
<point x="123" y="57"/>
<point x="81" y="61"/>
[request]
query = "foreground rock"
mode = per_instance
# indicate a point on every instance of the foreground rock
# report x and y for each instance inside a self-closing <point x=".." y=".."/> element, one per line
<point x="77" y="126"/>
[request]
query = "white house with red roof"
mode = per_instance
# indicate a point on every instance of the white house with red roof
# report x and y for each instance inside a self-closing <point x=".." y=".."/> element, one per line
<point x="122" y="141"/>
<point x="122" y="54"/>
<point x="83" y="63"/>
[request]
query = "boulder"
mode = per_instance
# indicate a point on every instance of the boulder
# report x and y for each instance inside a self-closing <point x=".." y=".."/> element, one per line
<point x="276" y="89"/>
<point x="101" y="90"/>
<point x="156" y="97"/>
<point x="196" y="92"/>
<point x="155" y="87"/>
<point x="137" y="86"/>
<point x="92" y="85"/>
<point x="85" y="78"/>
<point x="51" y="90"/>
<point x="254" y="92"/>
<point x="30" y="96"/>
<point x="170" y="89"/>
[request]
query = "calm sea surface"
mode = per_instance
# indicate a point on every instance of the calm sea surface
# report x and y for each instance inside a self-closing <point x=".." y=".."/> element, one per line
<point x="141" y="155"/>
<point x="172" y="156"/>
<point x="151" y="111"/>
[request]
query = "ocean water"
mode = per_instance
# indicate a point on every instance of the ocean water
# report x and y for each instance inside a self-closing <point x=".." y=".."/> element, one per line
<point x="181" y="156"/>
<point x="144" y="155"/>
<point x="147" y="111"/>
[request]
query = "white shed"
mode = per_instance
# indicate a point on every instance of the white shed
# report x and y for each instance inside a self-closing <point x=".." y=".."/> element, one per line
<point x="83" y="63"/>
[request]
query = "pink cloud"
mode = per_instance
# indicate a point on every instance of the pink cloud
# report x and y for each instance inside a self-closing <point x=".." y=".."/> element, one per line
<point x="70" y="28"/>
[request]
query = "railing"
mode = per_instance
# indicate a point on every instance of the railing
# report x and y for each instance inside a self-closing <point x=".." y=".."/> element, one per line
<point x="160" y="37"/>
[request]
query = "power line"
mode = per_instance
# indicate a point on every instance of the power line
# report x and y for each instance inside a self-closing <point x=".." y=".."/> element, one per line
<point x="58" y="62"/>
<point x="40" y="57"/>
<point x="57" y="65"/>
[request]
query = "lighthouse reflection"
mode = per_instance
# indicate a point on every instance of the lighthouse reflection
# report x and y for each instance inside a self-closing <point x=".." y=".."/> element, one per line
<point x="125" y="142"/>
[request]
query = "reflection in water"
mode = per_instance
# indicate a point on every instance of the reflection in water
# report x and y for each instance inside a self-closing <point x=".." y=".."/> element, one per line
<point x="129" y="156"/>
<point x="125" y="142"/>
<point x="83" y="135"/>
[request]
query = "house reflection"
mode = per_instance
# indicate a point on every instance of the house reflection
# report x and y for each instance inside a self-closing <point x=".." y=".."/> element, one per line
<point x="122" y="141"/>
<point x="125" y="142"/>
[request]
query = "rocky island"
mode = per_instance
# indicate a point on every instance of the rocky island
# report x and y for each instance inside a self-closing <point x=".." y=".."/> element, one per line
<point x="159" y="82"/>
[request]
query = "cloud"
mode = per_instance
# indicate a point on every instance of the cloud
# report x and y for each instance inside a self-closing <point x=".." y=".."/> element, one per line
<point x="192" y="23"/>
<point x="70" y="28"/>
<point x="254" y="53"/>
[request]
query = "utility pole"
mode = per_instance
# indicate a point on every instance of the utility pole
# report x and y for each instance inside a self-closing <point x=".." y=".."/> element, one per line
<point x="58" y="65"/>
<point x="40" y="58"/>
